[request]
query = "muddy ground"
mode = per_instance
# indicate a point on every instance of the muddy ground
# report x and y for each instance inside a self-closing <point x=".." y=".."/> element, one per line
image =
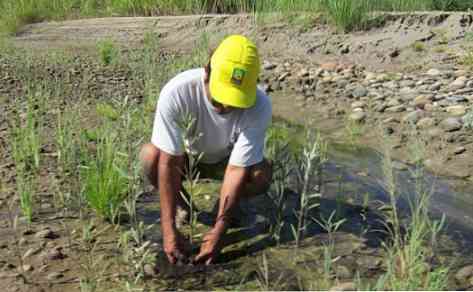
<point x="401" y="78"/>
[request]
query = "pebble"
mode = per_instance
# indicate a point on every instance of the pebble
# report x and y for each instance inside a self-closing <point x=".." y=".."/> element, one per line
<point x="150" y="270"/>
<point x="358" y="104"/>
<point x="359" y="91"/>
<point x="459" y="150"/>
<point x="456" y="110"/>
<point x="426" y="123"/>
<point x="54" y="276"/>
<point x="396" y="109"/>
<point x="27" y="268"/>
<point x="421" y="100"/>
<point x="412" y="117"/>
<point x="357" y="116"/>
<point x="268" y="66"/>
<point x="451" y="124"/>
<point x="459" y="83"/>
<point x="46" y="234"/>
<point x="456" y="98"/>
<point x="31" y="251"/>
<point x="434" y="72"/>
<point x="347" y="286"/>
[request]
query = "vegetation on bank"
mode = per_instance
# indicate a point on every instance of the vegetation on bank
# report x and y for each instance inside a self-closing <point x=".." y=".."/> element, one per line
<point x="346" y="14"/>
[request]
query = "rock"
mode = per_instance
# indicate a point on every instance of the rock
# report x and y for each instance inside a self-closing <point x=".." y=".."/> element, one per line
<point x="46" y="234"/>
<point x="434" y="132"/>
<point x="27" y="268"/>
<point x="150" y="270"/>
<point x="303" y="73"/>
<point x="436" y="86"/>
<point x="421" y="100"/>
<point x="347" y="286"/>
<point x="345" y="50"/>
<point x="369" y="262"/>
<point x="459" y="150"/>
<point x="425" y="123"/>
<point x="456" y="98"/>
<point x="464" y="273"/>
<point x="434" y="72"/>
<point x="370" y="76"/>
<point x="31" y="251"/>
<point x="459" y="83"/>
<point x="329" y="66"/>
<point x="412" y="117"/>
<point x="391" y="85"/>
<point x="268" y="66"/>
<point x="283" y="76"/>
<point x="359" y="91"/>
<point x="54" y="276"/>
<point x="358" y="104"/>
<point x="342" y="83"/>
<point x="456" y="110"/>
<point x="407" y="83"/>
<point x="357" y="116"/>
<point x="393" y="102"/>
<point x="343" y="272"/>
<point x="451" y="124"/>
<point x="396" y="109"/>
<point x="54" y="254"/>
<point x="380" y="107"/>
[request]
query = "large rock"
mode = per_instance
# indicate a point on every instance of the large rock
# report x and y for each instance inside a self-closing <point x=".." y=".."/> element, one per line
<point x="451" y="124"/>
<point x="358" y="104"/>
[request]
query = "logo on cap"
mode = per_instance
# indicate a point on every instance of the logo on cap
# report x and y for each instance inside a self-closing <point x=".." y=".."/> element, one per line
<point x="237" y="76"/>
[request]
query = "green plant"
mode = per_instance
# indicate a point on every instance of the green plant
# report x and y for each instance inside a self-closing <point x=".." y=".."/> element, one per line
<point x="191" y="173"/>
<point x="314" y="154"/>
<point x="347" y="15"/>
<point x="468" y="120"/>
<point x="418" y="46"/>
<point x="108" y="52"/>
<point x="467" y="59"/>
<point x="104" y="176"/>
<point x="25" y="140"/>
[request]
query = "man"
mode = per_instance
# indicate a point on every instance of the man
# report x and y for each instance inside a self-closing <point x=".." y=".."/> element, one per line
<point x="231" y="116"/>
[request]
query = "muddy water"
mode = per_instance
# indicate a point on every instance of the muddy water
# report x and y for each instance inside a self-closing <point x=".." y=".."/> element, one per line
<point x="362" y="170"/>
<point x="353" y="186"/>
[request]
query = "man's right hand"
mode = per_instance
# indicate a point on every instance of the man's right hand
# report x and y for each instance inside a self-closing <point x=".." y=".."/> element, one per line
<point x="175" y="246"/>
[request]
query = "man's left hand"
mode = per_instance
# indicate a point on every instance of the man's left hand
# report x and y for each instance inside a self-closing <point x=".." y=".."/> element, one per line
<point x="210" y="248"/>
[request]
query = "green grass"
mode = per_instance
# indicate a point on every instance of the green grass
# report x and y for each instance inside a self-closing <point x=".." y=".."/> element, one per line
<point x="104" y="175"/>
<point x="108" y="52"/>
<point x="345" y="13"/>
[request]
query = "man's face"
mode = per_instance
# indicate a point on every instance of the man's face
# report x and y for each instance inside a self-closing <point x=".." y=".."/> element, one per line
<point x="221" y="108"/>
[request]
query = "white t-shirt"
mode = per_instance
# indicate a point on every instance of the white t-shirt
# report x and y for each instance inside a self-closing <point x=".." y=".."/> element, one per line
<point x="239" y="134"/>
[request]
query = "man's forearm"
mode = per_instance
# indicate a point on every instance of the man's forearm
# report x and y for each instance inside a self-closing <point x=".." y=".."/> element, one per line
<point x="169" y="183"/>
<point x="233" y="185"/>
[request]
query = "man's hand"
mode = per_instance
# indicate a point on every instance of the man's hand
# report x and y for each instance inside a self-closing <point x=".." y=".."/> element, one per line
<point x="175" y="246"/>
<point x="210" y="248"/>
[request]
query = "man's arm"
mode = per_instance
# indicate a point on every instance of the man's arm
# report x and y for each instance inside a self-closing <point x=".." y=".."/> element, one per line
<point x="169" y="178"/>
<point x="232" y="188"/>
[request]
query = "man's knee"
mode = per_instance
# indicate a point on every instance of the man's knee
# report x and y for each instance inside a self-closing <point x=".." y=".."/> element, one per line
<point x="149" y="157"/>
<point x="261" y="175"/>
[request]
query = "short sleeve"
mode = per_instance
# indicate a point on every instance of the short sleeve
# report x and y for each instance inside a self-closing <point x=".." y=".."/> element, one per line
<point x="166" y="132"/>
<point x="249" y="146"/>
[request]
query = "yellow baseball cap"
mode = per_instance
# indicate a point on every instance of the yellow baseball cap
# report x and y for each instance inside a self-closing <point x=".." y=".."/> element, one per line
<point x="235" y="67"/>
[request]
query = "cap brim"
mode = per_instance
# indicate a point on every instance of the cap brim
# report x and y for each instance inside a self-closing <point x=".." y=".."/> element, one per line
<point x="231" y="95"/>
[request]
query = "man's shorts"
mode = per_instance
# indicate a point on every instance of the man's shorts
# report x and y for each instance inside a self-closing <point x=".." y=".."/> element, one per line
<point x="212" y="171"/>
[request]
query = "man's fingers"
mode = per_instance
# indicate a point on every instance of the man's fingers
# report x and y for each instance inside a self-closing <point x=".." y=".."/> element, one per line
<point x="171" y="258"/>
<point x="209" y="261"/>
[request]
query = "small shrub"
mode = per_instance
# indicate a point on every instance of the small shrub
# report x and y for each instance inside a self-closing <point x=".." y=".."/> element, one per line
<point x="104" y="177"/>
<point x="107" y="111"/>
<point x="467" y="59"/>
<point x="108" y="52"/>
<point x="418" y="46"/>
<point x="468" y="120"/>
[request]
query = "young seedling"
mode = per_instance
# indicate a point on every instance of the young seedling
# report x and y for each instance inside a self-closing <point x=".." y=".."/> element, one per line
<point x="191" y="172"/>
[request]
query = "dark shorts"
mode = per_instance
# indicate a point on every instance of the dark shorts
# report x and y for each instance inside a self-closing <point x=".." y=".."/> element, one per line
<point x="212" y="171"/>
